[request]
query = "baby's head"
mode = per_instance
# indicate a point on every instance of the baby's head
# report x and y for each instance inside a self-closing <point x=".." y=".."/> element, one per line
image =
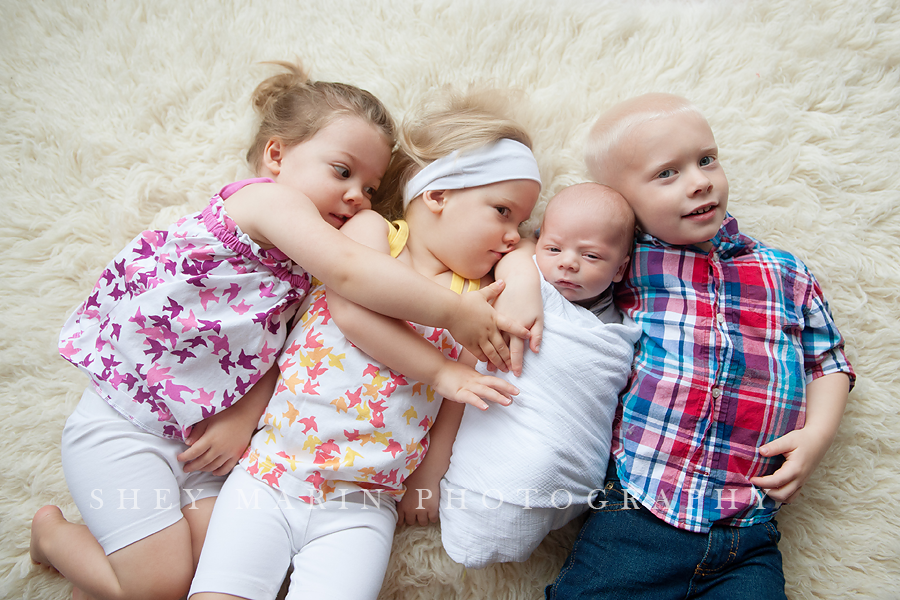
<point x="659" y="152"/>
<point x="585" y="241"/>
<point x="465" y="179"/>
<point x="331" y="141"/>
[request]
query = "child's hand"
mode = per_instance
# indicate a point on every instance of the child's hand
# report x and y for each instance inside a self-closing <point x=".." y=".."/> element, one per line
<point x="522" y="304"/>
<point x="217" y="443"/>
<point x="421" y="503"/>
<point x="803" y="449"/>
<point x="478" y="327"/>
<point x="461" y="383"/>
<point x="521" y="300"/>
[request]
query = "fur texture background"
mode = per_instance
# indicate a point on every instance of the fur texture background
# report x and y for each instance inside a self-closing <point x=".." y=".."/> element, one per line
<point x="118" y="116"/>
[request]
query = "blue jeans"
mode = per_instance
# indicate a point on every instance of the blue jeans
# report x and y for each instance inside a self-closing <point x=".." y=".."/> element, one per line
<point x="624" y="551"/>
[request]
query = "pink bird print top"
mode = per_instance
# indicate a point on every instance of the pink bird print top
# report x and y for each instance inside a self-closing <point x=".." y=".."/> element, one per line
<point x="339" y="421"/>
<point x="184" y="321"/>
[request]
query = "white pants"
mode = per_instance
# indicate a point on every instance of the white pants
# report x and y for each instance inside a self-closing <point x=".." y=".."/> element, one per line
<point x="126" y="482"/>
<point x="339" y="549"/>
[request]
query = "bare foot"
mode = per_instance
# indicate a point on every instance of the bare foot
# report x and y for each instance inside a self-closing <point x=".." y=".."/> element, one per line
<point x="46" y="517"/>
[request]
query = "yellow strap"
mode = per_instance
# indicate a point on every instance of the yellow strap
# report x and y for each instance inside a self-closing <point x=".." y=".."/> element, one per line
<point x="398" y="234"/>
<point x="458" y="284"/>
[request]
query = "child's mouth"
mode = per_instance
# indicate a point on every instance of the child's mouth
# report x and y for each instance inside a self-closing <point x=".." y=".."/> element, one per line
<point x="567" y="284"/>
<point x="702" y="210"/>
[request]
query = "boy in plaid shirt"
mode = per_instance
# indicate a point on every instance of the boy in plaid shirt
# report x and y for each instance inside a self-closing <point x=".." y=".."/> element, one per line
<point x="738" y="383"/>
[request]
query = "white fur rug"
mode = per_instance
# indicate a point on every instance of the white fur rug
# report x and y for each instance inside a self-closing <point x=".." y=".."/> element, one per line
<point x="116" y="116"/>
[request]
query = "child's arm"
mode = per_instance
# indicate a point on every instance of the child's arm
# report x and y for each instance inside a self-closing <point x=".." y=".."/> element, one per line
<point x="804" y="448"/>
<point x="276" y="215"/>
<point x="217" y="443"/>
<point x="421" y="502"/>
<point x="403" y="350"/>
<point x="521" y="299"/>
<point x="396" y="345"/>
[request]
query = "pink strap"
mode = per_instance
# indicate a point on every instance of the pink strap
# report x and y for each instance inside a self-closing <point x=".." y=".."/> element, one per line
<point x="233" y="187"/>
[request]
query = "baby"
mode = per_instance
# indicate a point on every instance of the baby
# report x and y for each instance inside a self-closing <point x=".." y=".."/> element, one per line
<point x="517" y="473"/>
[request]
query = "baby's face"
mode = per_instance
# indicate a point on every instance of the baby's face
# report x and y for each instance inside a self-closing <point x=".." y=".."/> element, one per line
<point x="579" y="254"/>
<point x="673" y="180"/>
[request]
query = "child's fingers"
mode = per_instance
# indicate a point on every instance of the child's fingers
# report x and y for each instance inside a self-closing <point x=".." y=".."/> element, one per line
<point x="792" y="497"/>
<point x="491" y="389"/>
<point x="782" y="494"/>
<point x="535" y="335"/>
<point x="211" y="462"/>
<point x="516" y="355"/>
<point x="777" y="480"/>
<point x="479" y="355"/>
<point x="196" y="464"/>
<point x="491" y="292"/>
<point x="197" y="432"/>
<point x="781" y="445"/>
<point x="513" y="328"/>
<point x="230" y="463"/>
<point x="409" y="517"/>
<point x="192" y="453"/>
<point x="497" y="352"/>
<point x="469" y="397"/>
<point x="495" y="384"/>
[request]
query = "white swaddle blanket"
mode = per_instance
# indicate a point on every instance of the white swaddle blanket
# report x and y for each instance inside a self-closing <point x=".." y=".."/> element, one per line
<point x="516" y="470"/>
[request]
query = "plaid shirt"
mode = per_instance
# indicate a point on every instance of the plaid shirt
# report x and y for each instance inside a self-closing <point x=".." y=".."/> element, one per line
<point x="730" y="340"/>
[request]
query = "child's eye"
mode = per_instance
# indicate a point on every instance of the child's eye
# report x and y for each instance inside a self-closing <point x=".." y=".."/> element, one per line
<point x="666" y="174"/>
<point x="706" y="161"/>
<point x="592" y="256"/>
<point x="503" y="210"/>
<point x="342" y="171"/>
<point x="370" y="191"/>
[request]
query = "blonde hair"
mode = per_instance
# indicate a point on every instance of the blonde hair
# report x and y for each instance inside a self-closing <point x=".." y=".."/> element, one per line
<point x="445" y="123"/>
<point x="614" y="126"/>
<point x="293" y="108"/>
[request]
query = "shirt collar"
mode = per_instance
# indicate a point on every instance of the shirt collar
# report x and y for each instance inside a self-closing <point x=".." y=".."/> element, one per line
<point x="727" y="242"/>
<point x="602" y="304"/>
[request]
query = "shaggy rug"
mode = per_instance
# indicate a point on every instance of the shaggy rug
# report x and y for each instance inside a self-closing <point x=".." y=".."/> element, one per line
<point x="118" y="116"/>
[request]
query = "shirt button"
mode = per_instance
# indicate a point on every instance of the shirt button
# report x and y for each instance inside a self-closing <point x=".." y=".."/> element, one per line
<point x="720" y="318"/>
<point x="716" y="392"/>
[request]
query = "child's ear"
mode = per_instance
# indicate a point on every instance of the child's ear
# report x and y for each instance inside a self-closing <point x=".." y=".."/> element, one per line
<point x="435" y="200"/>
<point x="273" y="155"/>
<point x="620" y="273"/>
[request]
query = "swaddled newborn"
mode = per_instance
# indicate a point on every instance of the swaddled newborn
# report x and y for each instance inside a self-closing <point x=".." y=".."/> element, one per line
<point x="518" y="472"/>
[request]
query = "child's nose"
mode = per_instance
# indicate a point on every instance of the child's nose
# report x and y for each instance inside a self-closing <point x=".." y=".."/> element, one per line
<point x="512" y="236"/>
<point x="700" y="183"/>
<point x="355" y="195"/>
<point x="567" y="261"/>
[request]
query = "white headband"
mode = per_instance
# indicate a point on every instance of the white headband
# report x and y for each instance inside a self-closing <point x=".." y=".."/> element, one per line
<point x="503" y="160"/>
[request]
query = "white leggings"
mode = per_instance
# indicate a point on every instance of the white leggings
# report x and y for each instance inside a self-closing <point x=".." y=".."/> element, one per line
<point x="126" y="482"/>
<point x="339" y="549"/>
